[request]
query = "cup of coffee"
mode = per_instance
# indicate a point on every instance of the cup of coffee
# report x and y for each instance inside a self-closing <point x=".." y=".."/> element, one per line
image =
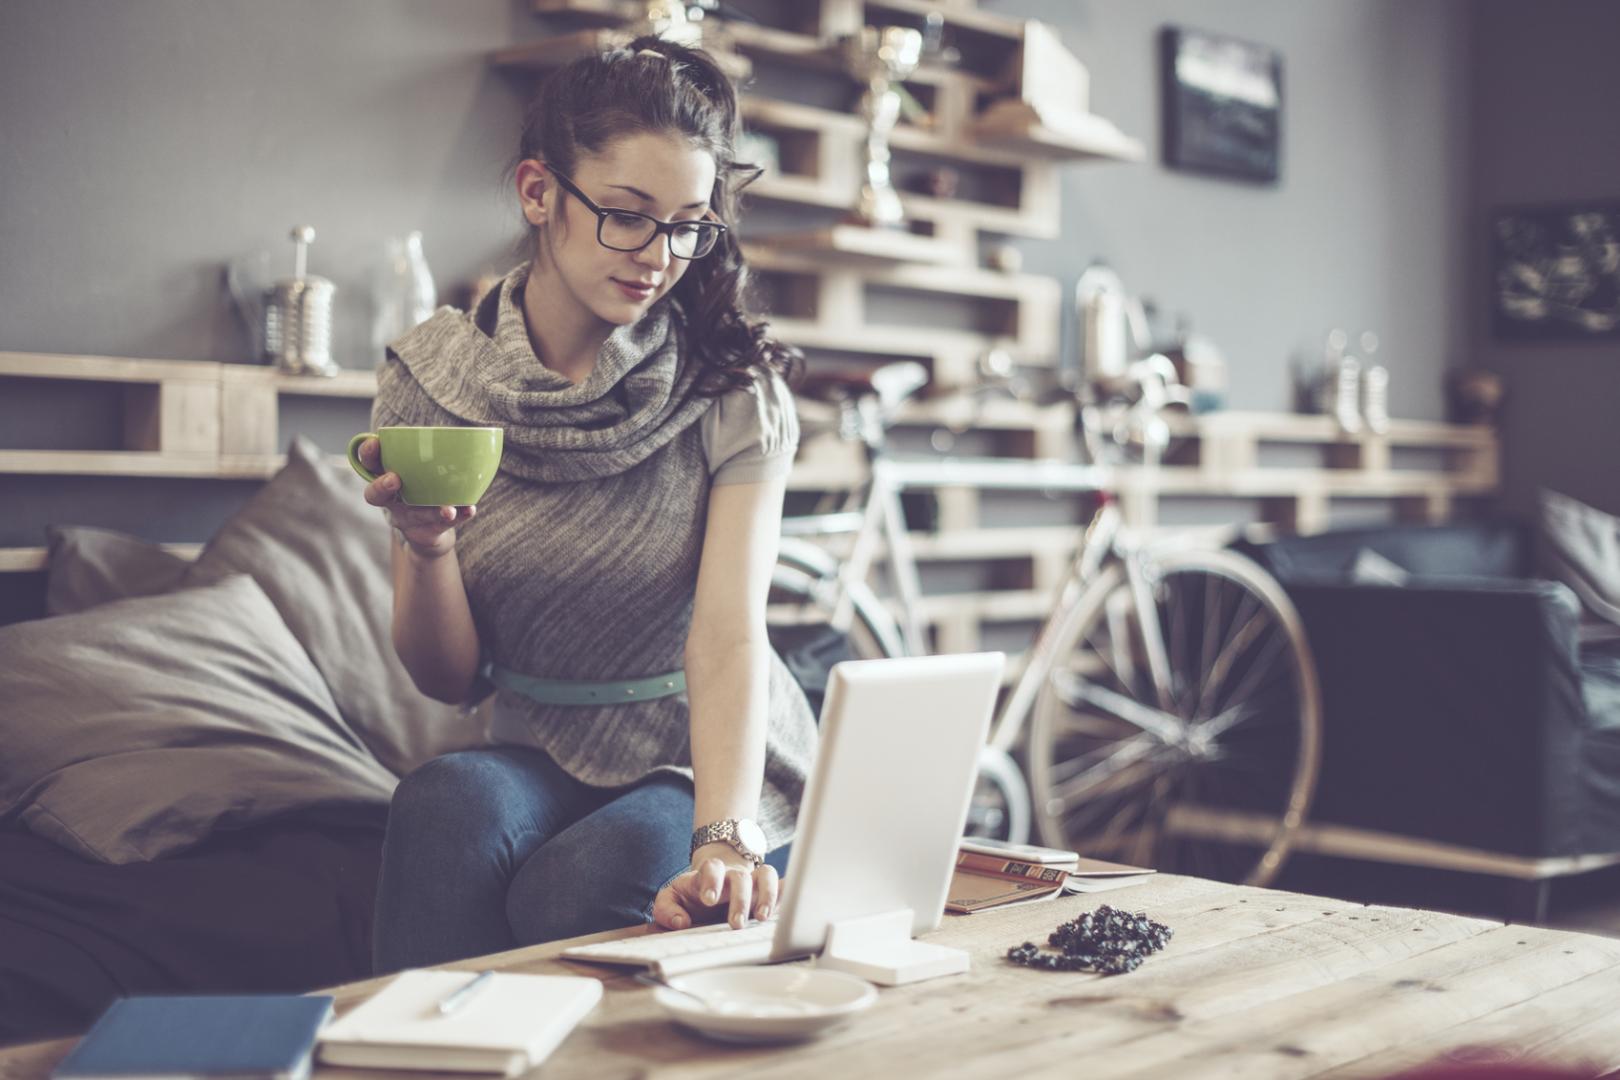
<point x="437" y="466"/>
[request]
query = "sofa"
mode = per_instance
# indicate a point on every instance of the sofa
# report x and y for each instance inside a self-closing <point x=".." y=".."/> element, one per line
<point x="1471" y="702"/>
<point x="199" y="755"/>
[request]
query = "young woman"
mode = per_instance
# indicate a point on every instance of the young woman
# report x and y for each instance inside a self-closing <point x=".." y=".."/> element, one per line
<point x="650" y="749"/>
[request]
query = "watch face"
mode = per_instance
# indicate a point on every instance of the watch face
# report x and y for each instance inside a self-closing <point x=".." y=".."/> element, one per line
<point x="752" y="836"/>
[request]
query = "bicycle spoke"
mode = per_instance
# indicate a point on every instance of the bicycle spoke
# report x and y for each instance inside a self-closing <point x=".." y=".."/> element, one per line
<point x="1212" y="622"/>
<point x="1168" y="728"/>
<point x="1103" y="652"/>
<point x="1124" y="767"/>
<point x="1216" y="726"/>
<point x="1175" y="635"/>
<point x="1257" y="672"/>
<point x="1100" y="755"/>
<point x="1252" y="625"/>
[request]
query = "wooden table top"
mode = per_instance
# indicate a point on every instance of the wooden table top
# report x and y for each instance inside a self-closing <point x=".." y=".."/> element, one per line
<point x="1256" y="984"/>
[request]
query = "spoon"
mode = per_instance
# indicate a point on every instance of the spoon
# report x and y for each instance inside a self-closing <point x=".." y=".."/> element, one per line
<point x="648" y="980"/>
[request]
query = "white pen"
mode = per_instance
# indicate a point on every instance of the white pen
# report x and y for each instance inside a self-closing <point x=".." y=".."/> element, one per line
<point x="464" y="993"/>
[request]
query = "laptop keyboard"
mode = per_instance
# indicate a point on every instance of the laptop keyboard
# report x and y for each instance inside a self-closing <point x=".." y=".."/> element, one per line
<point x="675" y="951"/>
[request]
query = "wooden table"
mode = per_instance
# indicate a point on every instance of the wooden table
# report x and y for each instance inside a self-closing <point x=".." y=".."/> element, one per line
<point x="1255" y="984"/>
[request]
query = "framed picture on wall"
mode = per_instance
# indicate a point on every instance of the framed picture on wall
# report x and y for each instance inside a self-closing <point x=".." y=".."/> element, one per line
<point x="1222" y="105"/>
<point x="1556" y="273"/>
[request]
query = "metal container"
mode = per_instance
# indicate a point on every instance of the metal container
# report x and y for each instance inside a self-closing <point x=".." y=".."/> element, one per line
<point x="298" y="316"/>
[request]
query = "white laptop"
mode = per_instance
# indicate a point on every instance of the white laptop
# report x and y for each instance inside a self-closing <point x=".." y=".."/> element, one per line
<point x="878" y="830"/>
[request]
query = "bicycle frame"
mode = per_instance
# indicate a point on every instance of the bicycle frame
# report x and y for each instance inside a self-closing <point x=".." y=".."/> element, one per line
<point x="881" y="523"/>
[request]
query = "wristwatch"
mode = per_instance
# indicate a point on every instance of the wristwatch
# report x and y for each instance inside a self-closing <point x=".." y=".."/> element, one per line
<point x="745" y="837"/>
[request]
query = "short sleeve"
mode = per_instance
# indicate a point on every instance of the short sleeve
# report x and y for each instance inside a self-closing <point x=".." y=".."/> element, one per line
<point x="751" y="433"/>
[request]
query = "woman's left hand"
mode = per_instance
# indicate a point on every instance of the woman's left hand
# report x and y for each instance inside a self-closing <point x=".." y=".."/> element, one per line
<point x="719" y="885"/>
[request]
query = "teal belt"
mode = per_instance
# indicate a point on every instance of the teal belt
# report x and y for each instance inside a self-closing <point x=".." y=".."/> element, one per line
<point x="564" y="692"/>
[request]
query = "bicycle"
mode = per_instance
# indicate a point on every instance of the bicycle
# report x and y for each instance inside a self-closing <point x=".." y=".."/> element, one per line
<point x="1172" y="707"/>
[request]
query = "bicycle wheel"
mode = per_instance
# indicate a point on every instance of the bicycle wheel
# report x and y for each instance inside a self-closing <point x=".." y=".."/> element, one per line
<point x="1211" y="775"/>
<point x="799" y="610"/>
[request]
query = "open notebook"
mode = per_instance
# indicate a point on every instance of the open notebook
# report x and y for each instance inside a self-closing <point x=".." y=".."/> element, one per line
<point x="508" y="1028"/>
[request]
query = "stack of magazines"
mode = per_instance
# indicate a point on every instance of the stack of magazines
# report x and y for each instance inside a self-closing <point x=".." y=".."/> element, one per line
<point x="991" y="874"/>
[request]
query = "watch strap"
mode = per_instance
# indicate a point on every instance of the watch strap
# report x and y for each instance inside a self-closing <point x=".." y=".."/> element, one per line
<point x="724" y="832"/>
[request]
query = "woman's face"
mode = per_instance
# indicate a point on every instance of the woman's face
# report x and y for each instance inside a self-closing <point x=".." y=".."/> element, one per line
<point x="660" y="175"/>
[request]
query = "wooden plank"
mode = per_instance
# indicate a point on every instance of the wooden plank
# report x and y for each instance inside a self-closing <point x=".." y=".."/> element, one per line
<point x="174" y="416"/>
<point x="964" y="545"/>
<point x="349" y="383"/>
<point x="606" y="10"/>
<point x="135" y="463"/>
<point x="1346" y="842"/>
<point x="899" y="341"/>
<point x="798" y="191"/>
<point x="804" y="50"/>
<point x="559" y="49"/>
<point x="1575" y="1027"/>
<point x="1011" y="605"/>
<point x="1261" y="482"/>
<point x="106" y="463"/>
<point x="859" y="242"/>
<point x="970" y="281"/>
<point x="103" y="368"/>
<point x="1012" y="126"/>
<point x="34" y="559"/>
<point x="1382" y="1009"/>
<point x="966" y="18"/>
<point x="1294" y="427"/>
<point x="250" y="415"/>
<point x="23" y="560"/>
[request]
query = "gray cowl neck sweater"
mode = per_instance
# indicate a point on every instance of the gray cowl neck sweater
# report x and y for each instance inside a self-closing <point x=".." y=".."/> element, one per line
<point x="582" y="561"/>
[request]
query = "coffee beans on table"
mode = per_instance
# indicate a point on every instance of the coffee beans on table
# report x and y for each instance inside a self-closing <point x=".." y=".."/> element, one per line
<point x="1107" y="941"/>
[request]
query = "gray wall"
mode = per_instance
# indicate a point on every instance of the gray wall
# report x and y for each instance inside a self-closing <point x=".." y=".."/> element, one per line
<point x="1364" y="229"/>
<point x="1545" y="90"/>
<point x="146" y="142"/>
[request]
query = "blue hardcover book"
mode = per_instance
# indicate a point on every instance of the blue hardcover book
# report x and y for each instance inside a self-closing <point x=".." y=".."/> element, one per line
<point x="266" y="1036"/>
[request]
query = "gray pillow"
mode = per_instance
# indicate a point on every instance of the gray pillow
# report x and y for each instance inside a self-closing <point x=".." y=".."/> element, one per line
<point x="1581" y="548"/>
<point x="133" y="730"/>
<point x="89" y="566"/>
<point x="1371" y="568"/>
<point x="322" y="556"/>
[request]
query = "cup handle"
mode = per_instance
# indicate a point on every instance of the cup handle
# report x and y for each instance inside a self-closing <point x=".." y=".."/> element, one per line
<point x="354" y="456"/>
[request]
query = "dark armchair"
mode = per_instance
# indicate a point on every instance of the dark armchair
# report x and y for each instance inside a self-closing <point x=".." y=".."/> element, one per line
<point x="1466" y="725"/>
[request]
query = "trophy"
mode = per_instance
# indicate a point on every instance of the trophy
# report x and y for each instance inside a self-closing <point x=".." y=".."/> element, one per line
<point x="670" y="20"/>
<point x="881" y="58"/>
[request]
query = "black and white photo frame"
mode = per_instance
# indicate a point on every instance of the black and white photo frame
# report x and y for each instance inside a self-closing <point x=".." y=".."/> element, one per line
<point x="1222" y="105"/>
<point x="1555" y="272"/>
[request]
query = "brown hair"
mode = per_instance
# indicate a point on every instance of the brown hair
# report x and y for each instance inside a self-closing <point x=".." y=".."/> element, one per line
<point x="657" y="86"/>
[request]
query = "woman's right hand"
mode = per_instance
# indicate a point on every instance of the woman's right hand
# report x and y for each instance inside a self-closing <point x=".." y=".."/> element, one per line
<point x="429" y="530"/>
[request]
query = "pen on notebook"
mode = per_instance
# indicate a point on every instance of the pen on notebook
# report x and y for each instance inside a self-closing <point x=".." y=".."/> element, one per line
<point x="464" y="993"/>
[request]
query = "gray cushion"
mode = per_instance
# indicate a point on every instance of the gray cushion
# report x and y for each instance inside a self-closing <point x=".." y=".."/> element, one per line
<point x="322" y="556"/>
<point x="1371" y="568"/>
<point x="1581" y="548"/>
<point x="89" y="566"/>
<point x="133" y="730"/>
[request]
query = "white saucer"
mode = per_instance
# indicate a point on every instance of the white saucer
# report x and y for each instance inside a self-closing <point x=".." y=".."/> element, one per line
<point x="765" y="1004"/>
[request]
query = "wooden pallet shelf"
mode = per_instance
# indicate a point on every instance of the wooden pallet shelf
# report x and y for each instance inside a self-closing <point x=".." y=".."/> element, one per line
<point x="825" y="177"/>
<point x="182" y="418"/>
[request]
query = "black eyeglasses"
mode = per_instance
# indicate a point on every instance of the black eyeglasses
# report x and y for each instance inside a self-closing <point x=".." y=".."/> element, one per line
<point x="630" y="230"/>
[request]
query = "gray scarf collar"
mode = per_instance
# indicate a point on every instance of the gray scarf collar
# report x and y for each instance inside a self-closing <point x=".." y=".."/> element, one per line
<point x="481" y="369"/>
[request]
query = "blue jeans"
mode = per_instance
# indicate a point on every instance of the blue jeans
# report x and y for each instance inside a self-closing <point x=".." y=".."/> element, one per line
<point x="495" y="848"/>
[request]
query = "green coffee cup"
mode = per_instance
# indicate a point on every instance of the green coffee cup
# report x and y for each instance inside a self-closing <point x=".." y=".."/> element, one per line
<point x="437" y="466"/>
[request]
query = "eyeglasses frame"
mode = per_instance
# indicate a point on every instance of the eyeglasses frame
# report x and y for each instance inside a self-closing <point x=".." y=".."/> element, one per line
<point x="660" y="228"/>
